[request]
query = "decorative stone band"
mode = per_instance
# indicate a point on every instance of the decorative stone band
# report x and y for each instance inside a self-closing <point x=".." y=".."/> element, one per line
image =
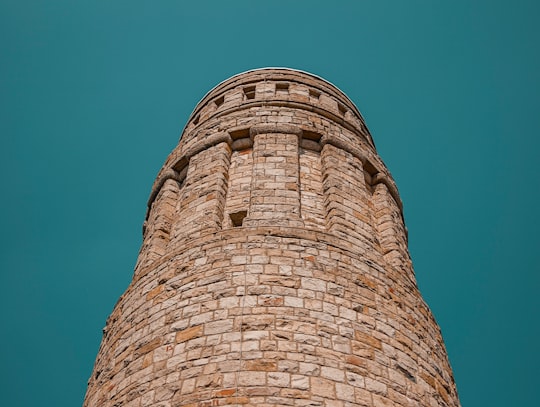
<point x="282" y="231"/>
<point x="300" y="106"/>
<point x="274" y="128"/>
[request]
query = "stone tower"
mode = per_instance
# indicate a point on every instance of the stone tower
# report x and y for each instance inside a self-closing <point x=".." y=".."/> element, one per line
<point x="274" y="269"/>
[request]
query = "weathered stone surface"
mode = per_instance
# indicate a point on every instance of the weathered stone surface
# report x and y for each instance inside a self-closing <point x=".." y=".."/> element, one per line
<point x="274" y="268"/>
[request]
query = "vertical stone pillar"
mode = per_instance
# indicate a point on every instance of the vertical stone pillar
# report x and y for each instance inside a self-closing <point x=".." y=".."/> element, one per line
<point x="390" y="227"/>
<point x="202" y="199"/>
<point x="159" y="223"/>
<point x="275" y="189"/>
<point x="346" y="194"/>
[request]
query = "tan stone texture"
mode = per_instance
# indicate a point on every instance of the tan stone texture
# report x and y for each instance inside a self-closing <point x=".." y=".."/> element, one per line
<point x="274" y="269"/>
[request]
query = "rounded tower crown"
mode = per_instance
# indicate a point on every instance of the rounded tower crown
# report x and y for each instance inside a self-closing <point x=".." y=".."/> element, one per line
<point x="274" y="268"/>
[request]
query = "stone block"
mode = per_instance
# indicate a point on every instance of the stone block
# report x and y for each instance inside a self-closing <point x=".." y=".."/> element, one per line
<point x="189" y="333"/>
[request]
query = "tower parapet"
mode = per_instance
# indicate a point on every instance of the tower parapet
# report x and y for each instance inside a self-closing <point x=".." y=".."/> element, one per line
<point x="274" y="268"/>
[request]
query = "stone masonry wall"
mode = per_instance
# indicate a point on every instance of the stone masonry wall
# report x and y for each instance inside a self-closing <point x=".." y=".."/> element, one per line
<point x="274" y="269"/>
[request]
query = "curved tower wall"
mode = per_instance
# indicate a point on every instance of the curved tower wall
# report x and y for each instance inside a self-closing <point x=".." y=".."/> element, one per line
<point x="274" y="268"/>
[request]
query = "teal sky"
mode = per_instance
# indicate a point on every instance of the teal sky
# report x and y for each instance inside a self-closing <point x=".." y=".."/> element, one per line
<point x="94" y="95"/>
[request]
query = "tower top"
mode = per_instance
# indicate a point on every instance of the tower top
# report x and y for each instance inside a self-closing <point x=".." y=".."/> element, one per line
<point x="285" y="75"/>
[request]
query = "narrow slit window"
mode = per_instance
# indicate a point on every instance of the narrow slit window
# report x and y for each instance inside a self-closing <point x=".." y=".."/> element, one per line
<point x="219" y="101"/>
<point x="249" y="92"/>
<point x="282" y="88"/>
